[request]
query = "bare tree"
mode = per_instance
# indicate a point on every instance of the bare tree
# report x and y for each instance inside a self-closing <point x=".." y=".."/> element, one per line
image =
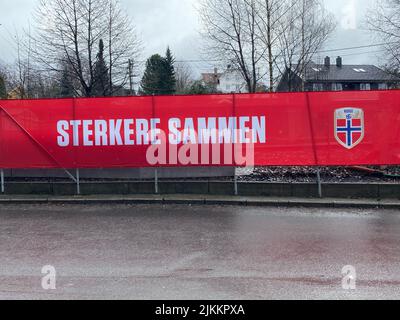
<point x="230" y="26"/>
<point x="265" y="37"/>
<point x="272" y="15"/>
<point x="68" y="32"/>
<point x="184" y="77"/>
<point x="23" y="78"/>
<point x="305" y="30"/>
<point x="20" y="73"/>
<point x="124" y="46"/>
<point x="3" y="86"/>
<point x="384" y="20"/>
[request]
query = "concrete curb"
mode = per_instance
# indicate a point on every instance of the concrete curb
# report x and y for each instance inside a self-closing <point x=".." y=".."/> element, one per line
<point x="201" y="200"/>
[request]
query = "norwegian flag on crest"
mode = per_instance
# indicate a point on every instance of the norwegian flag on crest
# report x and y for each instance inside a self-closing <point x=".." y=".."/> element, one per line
<point x="349" y="127"/>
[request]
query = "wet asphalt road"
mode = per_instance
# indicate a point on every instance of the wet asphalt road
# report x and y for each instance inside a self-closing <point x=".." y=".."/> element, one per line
<point x="197" y="252"/>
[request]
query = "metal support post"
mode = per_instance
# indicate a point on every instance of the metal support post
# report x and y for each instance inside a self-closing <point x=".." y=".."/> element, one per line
<point x="156" y="181"/>
<point x="2" y="181"/>
<point x="319" y="183"/>
<point x="236" y="184"/>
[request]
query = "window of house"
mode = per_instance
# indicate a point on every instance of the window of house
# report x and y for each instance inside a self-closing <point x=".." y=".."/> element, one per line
<point x="365" y="86"/>
<point x="318" y="87"/>
<point x="383" y="86"/>
<point x="337" y="87"/>
<point x="228" y="87"/>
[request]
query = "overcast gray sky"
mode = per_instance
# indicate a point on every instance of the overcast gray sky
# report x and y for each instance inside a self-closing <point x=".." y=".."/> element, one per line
<point x="175" y="23"/>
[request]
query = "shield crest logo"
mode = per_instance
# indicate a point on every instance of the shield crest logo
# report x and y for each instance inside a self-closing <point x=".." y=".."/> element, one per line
<point x="349" y="127"/>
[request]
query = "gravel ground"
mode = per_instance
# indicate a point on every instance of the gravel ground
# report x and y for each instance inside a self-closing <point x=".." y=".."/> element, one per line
<point x="334" y="174"/>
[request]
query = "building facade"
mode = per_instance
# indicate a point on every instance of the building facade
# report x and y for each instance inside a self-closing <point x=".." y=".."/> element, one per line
<point x="336" y="77"/>
<point x="229" y="81"/>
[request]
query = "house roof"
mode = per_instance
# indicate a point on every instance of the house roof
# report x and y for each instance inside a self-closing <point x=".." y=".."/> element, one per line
<point x="211" y="77"/>
<point x="319" y="72"/>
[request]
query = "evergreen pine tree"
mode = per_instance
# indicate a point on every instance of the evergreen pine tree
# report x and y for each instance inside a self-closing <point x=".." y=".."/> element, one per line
<point x="170" y="76"/>
<point x="153" y="81"/>
<point x="101" y="79"/>
<point x="3" y="92"/>
<point x="66" y="84"/>
<point x="159" y="76"/>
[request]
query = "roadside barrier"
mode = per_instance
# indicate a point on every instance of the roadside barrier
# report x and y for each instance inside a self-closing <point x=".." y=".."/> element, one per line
<point x="237" y="130"/>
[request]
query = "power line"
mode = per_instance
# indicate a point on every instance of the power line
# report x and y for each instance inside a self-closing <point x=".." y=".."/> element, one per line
<point x="223" y="60"/>
<point x="359" y="47"/>
<point x="360" y="53"/>
<point x="320" y="51"/>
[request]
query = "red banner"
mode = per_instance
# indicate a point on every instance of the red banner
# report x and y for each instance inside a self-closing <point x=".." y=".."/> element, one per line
<point x="281" y="129"/>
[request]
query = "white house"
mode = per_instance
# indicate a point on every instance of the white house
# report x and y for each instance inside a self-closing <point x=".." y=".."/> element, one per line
<point x="231" y="80"/>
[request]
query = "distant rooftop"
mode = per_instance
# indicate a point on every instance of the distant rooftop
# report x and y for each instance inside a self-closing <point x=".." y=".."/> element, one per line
<point x="343" y="72"/>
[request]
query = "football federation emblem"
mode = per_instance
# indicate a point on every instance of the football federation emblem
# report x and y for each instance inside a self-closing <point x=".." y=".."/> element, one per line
<point x="349" y="127"/>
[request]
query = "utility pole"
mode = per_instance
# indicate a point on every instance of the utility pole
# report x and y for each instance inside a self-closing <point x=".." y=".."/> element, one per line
<point x="130" y="68"/>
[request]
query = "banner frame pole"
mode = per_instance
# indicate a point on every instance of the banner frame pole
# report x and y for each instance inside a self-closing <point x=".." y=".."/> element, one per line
<point x="156" y="181"/>
<point x="153" y="111"/>
<point x="70" y="175"/>
<point x="236" y="184"/>
<point x="319" y="182"/>
<point x="78" y="186"/>
<point x="2" y="181"/>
